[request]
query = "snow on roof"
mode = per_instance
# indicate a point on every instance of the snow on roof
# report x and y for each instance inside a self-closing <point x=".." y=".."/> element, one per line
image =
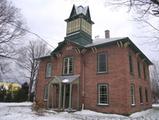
<point x="68" y="79"/>
<point x="99" y="41"/>
<point x="80" y="9"/>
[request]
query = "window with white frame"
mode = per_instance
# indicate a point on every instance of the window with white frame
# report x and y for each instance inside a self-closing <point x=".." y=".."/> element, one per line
<point x="68" y="65"/>
<point x="102" y="94"/>
<point x="45" y="93"/>
<point x="48" y="70"/>
<point x="101" y="62"/>
<point x="132" y="90"/>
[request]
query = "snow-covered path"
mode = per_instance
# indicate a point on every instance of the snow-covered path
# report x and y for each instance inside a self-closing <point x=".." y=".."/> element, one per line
<point x="22" y="111"/>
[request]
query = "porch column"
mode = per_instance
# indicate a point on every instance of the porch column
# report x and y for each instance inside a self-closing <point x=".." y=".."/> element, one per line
<point x="52" y="91"/>
<point x="78" y="90"/>
<point x="70" y="97"/>
<point x="64" y="95"/>
<point x="59" y="95"/>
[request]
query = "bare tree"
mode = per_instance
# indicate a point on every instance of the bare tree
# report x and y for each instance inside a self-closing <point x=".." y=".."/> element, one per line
<point x="27" y="60"/>
<point x="154" y="73"/>
<point x="4" y="68"/>
<point x="11" y="28"/>
<point x="143" y="7"/>
<point x="145" y="12"/>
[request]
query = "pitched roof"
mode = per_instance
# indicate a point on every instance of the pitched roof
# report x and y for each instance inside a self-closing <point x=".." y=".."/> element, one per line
<point x="80" y="11"/>
<point x="100" y="41"/>
<point x="61" y="44"/>
<point x="106" y="41"/>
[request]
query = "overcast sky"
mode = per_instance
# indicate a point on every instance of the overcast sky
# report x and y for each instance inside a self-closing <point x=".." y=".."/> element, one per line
<point x="46" y="18"/>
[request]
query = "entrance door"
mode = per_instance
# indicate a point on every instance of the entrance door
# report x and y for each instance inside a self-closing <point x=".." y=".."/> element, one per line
<point x="65" y="95"/>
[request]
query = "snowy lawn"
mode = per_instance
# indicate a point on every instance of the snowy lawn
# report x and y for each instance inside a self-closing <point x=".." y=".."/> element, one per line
<point x="23" y="111"/>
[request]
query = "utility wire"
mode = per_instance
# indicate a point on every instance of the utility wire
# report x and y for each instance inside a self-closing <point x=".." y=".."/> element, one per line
<point x="38" y="37"/>
<point x="26" y="30"/>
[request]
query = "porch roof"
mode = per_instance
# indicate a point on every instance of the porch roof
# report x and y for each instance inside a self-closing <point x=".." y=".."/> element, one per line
<point x="65" y="79"/>
<point x="68" y="79"/>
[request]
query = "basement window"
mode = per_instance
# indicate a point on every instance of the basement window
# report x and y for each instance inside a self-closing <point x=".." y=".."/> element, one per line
<point x="102" y="94"/>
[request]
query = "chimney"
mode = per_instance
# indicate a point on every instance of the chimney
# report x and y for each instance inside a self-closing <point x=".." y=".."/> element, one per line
<point x="107" y="34"/>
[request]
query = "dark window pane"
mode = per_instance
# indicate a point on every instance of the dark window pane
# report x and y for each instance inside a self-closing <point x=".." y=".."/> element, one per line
<point x="146" y="95"/>
<point x="130" y="64"/>
<point x="65" y="65"/>
<point x="102" y="62"/>
<point x="70" y="70"/>
<point x="103" y="94"/>
<point x="144" y="70"/>
<point x="45" y="93"/>
<point x="139" y="69"/>
<point x="140" y="93"/>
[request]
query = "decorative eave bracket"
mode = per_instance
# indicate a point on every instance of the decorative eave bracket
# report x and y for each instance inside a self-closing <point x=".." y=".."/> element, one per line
<point x="94" y="49"/>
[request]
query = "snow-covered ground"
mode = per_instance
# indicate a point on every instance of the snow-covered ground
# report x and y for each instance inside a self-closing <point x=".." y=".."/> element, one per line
<point x="23" y="111"/>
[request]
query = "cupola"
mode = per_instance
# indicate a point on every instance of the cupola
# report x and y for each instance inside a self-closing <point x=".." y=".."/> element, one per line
<point x="79" y="25"/>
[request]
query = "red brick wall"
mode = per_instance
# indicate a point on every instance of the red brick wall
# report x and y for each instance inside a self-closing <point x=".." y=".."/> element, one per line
<point x="139" y="82"/>
<point x="41" y="81"/>
<point x="118" y="78"/>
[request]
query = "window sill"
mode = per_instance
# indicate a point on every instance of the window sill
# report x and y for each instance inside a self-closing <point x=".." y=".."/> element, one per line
<point x="67" y="74"/>
<point x="102" y="72"/>
<point x="100" y="104"/>
<point x="45" y="100"/>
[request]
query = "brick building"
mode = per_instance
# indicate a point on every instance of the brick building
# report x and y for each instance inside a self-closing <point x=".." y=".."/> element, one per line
<point x="108" y="75"/>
